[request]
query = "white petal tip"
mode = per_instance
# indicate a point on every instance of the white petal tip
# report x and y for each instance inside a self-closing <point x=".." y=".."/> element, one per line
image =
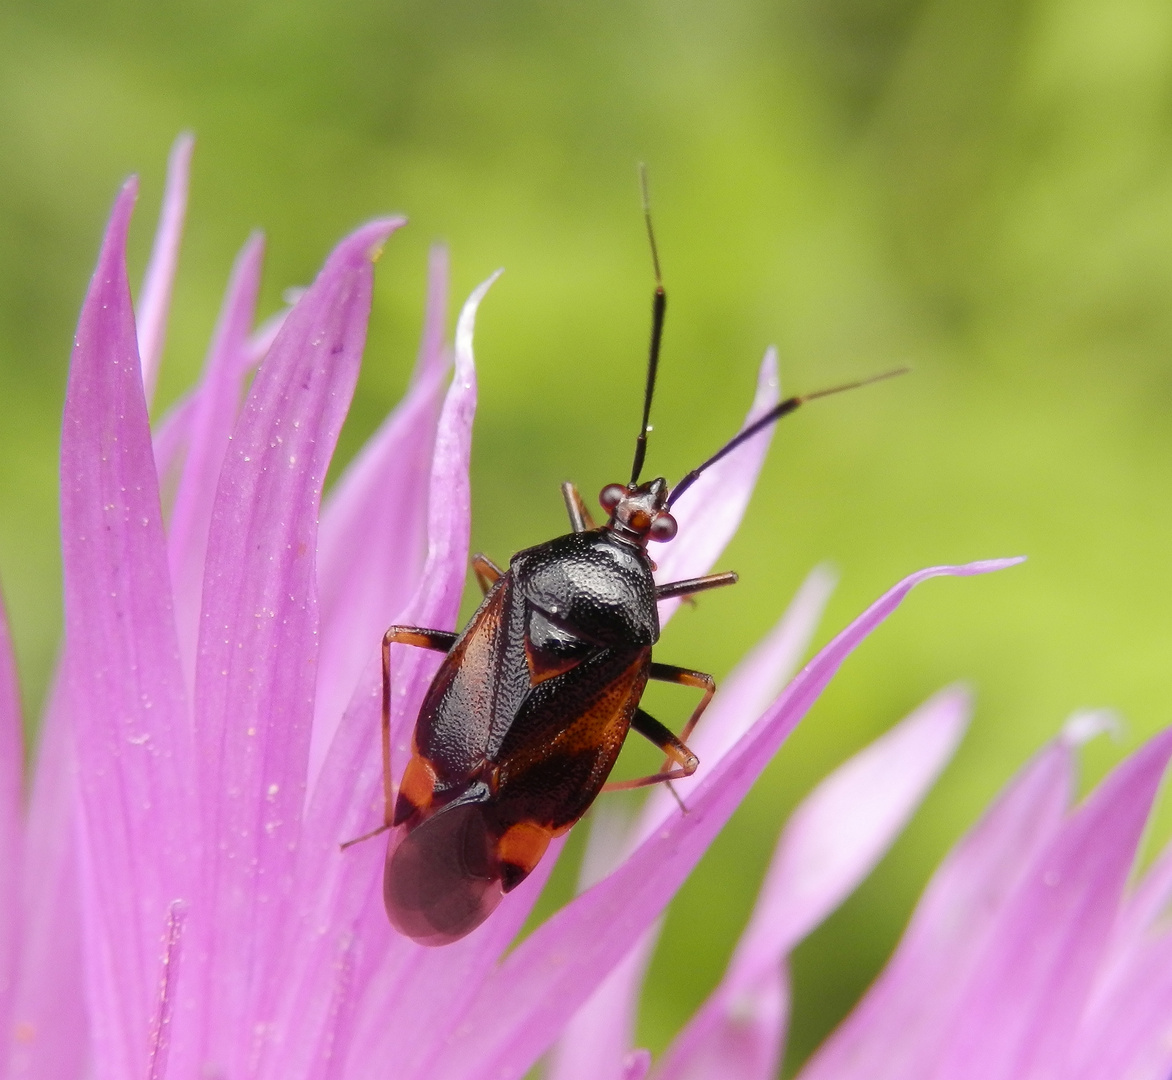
<point x="467" y="321"/>
<point x="1088" y="724"/>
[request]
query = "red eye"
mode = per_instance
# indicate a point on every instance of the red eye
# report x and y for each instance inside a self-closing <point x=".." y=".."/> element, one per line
<point x="611" y="496"/>
<point x="663" y="527"/>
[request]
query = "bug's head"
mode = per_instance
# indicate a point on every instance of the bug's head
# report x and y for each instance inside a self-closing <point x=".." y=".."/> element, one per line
<point x="638" y="512"/>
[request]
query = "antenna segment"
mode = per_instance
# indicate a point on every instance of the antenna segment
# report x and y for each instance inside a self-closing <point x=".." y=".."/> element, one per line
<point x="782" y="408"/>
<point x="658" y="308"/>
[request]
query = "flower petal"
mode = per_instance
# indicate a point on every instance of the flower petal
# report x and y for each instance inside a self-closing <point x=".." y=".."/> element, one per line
<point x="596" y="1043"/>
<point x="51" y="1029"/>
<point x="208" y="431"/>
<point x="637" y="1065"/>
<point x="545" y="980"/>
<point x="408" y="1002"/>
<point x="256" y="669"/>
<point x="155" y="301"/>
<point x="710" y="513"/>
<point x="133" y="735"/>
<point x="834" y="839"/>
<point x="896" y="1030"/>
<point x="341" y="892"/>
<point x="373" y="541"/>
<point x="751" y="686"/>
<point x="11" y="824"/>
<point x="1127" y="1030"/>
<point x="1034" y="976"/>
<point x="596" y="1040"/>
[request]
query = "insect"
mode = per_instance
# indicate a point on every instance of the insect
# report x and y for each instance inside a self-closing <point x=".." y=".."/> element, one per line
<point x="525" y="718"/>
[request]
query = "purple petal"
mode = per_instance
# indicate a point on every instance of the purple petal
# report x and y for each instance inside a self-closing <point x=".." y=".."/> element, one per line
<point x="121" y="654"/>
<point x="592" y="1044"/>
<point x="637" y="1065"/>
<point x="595" y="1044"/>
<point x="51" y="1029"/>
<point x="155" y="301"/>
<point x="833" y="841"/>
<point x="11" y="824"/>
<point x="740" y="1041"/>
<point x="1034" y="976"/>
<point x="1126" y="1031"/>
<point x="262" y="338"/>
<point x="896" y="1029"/>
<point x="256" y="670"/>
<point x="342" y="891"/>
<point x="408" y="1003"/>
<point x="534" y="992"/>
<point x="373" y="541"/>
<point x="208" y="433"/>
<point x="170" y="440"/>
<point x="710" y="513"/>
<point x="752" y="685"/>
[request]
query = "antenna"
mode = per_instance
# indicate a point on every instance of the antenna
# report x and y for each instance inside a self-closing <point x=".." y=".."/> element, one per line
<point x="658" y="307"/>
<point x="782" y="408"/>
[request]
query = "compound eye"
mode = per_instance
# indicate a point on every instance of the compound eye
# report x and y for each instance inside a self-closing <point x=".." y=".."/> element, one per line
<point x="663" y="527"/>
<point x="611" y="496"/>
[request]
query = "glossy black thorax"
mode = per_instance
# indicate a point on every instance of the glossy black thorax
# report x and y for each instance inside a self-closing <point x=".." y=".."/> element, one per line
<point x="593" y="584"/>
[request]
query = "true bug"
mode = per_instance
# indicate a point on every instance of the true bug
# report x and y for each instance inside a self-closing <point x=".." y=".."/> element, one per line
<point x="525" y="717"/>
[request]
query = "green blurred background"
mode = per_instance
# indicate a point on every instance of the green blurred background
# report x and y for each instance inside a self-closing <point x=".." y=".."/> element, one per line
<point x="981" y="188"/>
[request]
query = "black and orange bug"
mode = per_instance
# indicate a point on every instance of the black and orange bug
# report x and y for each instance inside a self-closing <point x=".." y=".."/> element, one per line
<point x="525" y="717"/>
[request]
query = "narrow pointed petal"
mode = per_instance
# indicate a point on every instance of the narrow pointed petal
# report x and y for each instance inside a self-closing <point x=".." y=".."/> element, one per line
<point x="831" y="843"/>
<point x="846" y="825"/>
<point x="593" y="1043"/>
<point x="208" y="433"/>
<point x="527" y="1000"/>
<point x="373" y="541"/>
<point x="132" y="730"/>
<point x="710" y="513"/>
<point x="256" y="670"/>
<point x="897" y="1029"/>
<point x="596" y="1043"/>
<point x="262" y="338"/>
<point x="408" y="1002"/>
<point x="155" y="302"/>
<point x="11" y="825"/>
<point x="637" y="1065"/>
<point x="750" y="687"/>
<point x="51" y="1037"/>
<point x="1127" y="1030"/>
<point x="339" y="893"/>
<point x="1035" y="976"/>
<point x="742" y="1040"/>
<point x="170" y="441"/>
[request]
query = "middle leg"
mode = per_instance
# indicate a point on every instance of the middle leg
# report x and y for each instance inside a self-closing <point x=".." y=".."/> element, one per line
<point x="650" y="728"/>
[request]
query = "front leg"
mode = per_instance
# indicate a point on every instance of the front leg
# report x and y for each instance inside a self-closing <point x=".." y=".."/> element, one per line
<point x="686" y="677"/>
<point x="695" y="585"/>
<point x="580" y="519"/>
<point x="487" y="572"/>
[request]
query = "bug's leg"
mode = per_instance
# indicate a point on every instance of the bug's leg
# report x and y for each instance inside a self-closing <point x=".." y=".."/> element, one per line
<point x="580" y="519"/>
<point x="487" y="572"/>
<point x="694" y="585"/>
<point x="440" y="641"/>
<point x="686" y="677"/>
<point x="650" y="728"/>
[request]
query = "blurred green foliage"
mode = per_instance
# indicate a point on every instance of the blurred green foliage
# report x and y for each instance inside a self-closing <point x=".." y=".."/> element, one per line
<point x="982" y="188"/>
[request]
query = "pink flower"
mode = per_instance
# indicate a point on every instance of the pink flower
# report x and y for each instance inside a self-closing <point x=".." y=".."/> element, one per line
<point x="175" y="903"/>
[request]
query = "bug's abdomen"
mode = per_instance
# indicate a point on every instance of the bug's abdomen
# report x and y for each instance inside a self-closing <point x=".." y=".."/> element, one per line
<point x="442" y="878"/>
